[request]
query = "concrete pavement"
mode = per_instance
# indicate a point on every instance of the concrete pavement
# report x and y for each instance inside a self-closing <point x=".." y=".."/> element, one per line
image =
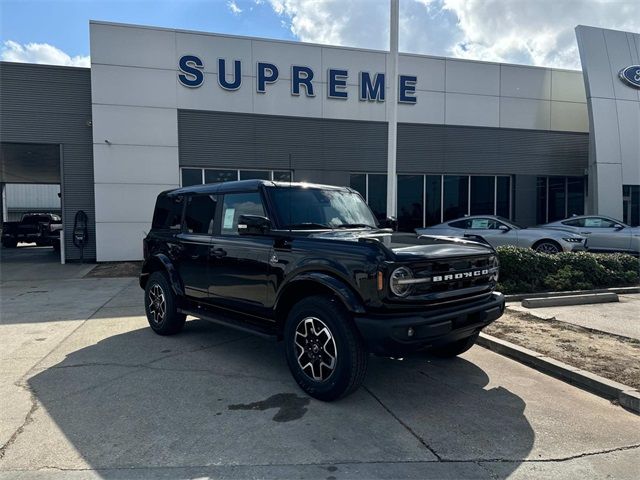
<point x="29" y="262"/>
<point x="622" y="318"/>
<point x="88" y="391"/>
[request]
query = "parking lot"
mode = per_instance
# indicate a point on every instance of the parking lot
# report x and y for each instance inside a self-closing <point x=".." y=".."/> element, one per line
<point x="89" y="391"/>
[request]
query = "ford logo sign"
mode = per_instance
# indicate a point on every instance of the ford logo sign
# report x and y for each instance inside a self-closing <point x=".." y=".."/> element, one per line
<point x="631" y="75"/>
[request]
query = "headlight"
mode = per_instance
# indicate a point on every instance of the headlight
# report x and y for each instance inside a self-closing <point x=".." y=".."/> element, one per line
<point x="495" y="263"/>
<point x="573" y="240"/>
<point x="399" y="289"/>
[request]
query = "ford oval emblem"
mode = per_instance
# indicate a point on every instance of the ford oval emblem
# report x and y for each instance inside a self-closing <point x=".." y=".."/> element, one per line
<point x="631" y="75"/>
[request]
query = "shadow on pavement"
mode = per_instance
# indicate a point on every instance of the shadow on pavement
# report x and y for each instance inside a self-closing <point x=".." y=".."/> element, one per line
<point x="212" y="396"/>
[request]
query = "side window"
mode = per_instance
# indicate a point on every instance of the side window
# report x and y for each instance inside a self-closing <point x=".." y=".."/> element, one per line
<point x="236" y="204"/>
<point x="199" y="215"/>
<point x="597" y="222"/>
<point x="578" y="222"/>
<point x="482" y="224"/>
<point x="168" y="213"/>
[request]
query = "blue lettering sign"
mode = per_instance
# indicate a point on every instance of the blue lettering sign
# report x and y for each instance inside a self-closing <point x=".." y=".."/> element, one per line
<point x="372" y="90"/>
<point x="222" y="75"/>
<point x="337" y="79"/>
<point x="263" y="77"/>
<point x="301" y="76"/>
<point x="407" y="89"/>
<point x="191" y="75"/>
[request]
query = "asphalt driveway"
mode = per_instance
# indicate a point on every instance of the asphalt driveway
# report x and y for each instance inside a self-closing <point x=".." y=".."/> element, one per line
<point x="87" y="390"/>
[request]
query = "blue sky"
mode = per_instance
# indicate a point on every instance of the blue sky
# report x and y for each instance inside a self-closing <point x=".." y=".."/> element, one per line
<point x="65" y="24"/>
<point x="535" y="32"/>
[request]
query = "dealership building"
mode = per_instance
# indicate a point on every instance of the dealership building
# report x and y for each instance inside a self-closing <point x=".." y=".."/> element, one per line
<point x="160" y="108"/>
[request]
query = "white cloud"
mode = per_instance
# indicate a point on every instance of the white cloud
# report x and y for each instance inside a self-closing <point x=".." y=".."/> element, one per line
<point x="233" y="7"/>
<point x="537" y="32"/>
<point x="40" y="53"/>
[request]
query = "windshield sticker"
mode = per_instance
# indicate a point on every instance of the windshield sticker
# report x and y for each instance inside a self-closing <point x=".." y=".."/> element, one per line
<point x="229" y="213"/>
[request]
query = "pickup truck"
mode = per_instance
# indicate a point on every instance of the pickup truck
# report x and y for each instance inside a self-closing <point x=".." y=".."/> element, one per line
<point x="311" y="266"/>
<point x="39" y="228"/>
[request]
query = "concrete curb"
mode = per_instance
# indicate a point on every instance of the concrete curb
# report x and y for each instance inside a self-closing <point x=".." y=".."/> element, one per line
<point x="521" y="296"/>
<point x="625" y="395"/>
<point x="565" y="300"/>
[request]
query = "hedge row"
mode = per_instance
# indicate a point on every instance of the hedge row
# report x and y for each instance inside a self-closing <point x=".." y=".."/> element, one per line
<point x="523" y="271"/>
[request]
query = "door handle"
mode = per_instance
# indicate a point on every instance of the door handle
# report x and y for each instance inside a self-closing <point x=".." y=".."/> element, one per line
<point x="217" y="252"/>
<point x="585" y="233"/>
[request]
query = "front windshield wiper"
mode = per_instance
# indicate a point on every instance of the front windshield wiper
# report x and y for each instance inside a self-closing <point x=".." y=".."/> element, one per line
<point x="307" y="225"/>
<point x="354" y="225"/>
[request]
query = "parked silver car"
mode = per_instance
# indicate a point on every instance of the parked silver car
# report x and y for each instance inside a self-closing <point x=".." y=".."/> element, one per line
<point x="500" y="231"/>
<point x="604" y="234"/>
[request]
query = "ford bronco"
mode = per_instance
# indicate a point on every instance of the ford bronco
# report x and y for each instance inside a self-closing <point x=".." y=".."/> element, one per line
<point x="310" y="265"/>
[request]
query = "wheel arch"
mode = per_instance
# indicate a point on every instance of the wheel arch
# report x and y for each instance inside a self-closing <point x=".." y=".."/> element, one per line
<point x="315" y="283"/>
<point x="161" y="263"/>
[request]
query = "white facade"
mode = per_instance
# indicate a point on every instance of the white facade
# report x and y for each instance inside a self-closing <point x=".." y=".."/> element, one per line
<point x="614" y="110"/>
<point x="136" y="95"/>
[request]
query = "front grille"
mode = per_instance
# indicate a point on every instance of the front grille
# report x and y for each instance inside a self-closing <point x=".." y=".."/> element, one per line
<point x="444" y="273"/>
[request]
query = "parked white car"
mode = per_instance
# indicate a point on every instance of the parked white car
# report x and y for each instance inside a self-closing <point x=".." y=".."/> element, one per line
<point x="499" y="231"/>
<point x="604" y="234"/>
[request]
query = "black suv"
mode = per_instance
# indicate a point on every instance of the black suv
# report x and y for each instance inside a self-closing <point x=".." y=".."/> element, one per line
<point x="310" y="265"/>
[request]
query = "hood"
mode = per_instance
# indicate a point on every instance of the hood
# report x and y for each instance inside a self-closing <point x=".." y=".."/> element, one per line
<point x="408" y="246"/>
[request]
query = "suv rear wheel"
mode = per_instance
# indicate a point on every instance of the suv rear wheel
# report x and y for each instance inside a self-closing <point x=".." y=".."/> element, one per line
<point x="324" y="351"/>
<point x="456" y="348"/>
<point x="161" y="306"/>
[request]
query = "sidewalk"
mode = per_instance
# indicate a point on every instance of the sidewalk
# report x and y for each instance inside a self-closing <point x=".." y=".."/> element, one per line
<point x="621" y="318"/>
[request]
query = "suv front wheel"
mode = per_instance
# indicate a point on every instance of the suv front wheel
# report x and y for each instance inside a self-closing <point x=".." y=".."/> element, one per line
<point x="324" y="351"/>
<point x="160" y="304"/>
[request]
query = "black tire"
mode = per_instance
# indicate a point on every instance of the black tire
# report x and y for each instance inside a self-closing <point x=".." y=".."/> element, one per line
<point x="549" y="247"/>
<point x="56" y="246"/>
<point x="350" y="357"/>
<point x="160" y="305"/>
<point x="454" y="349"/>
<point x="9" y="243"/>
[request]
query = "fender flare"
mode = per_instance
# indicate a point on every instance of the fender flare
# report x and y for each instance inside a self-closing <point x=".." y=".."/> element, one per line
<point x="165" y="264"/>
<point x="339" y="287"/>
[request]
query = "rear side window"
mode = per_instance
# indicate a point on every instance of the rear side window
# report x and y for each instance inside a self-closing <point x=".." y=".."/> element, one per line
<point x="236" y="204"/>
<point x="460" y="224"/>
<point x="578" y="222"/>
<point x="199" y="215"/>
<point x="168" y="213"/>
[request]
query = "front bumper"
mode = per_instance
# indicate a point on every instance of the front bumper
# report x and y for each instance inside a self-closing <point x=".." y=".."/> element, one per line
<point x="387" y="334"/>
<point x="573" y="247"/>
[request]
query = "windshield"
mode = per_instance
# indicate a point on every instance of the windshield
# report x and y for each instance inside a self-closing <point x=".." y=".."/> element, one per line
<point x="308" y="208"/>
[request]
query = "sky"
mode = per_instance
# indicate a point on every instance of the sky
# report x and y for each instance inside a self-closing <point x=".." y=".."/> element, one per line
<point x="530" y="32"/>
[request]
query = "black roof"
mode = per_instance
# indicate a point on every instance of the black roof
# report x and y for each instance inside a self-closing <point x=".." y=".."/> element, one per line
<point x="247" y="186"/>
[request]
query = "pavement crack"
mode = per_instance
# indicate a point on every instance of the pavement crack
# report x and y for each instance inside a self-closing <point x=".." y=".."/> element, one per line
<point x="407" y="427"/>
<point x="27" y="420"/>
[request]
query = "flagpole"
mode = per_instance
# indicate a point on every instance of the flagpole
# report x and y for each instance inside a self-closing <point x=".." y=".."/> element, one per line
<point x="392" y="110"/>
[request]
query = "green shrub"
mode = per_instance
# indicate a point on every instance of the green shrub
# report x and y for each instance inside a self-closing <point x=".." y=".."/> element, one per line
<point x="523" y="270"/>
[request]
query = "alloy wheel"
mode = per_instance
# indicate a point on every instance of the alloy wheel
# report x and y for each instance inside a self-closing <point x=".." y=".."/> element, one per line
<point x="316" y="349"/>
<point x="547" y="247"/>
<point x="157" y="303"/>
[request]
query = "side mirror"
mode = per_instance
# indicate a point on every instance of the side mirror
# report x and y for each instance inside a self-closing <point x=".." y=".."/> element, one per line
<point x="389" y="222"/>
<point x="617" y="226"/>
<point x="503" y="228"/>
<point x="253" y="225"/>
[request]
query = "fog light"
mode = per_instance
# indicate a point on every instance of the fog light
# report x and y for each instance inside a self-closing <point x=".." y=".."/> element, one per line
<point x="410" y="332"/>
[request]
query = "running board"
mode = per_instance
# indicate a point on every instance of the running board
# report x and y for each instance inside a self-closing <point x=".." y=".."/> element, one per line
<point x="228" y="321"/>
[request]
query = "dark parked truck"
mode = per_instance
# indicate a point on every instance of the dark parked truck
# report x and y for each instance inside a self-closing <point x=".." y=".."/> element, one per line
<point x="39" y="228"/>
<point x="311" y="266"/>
